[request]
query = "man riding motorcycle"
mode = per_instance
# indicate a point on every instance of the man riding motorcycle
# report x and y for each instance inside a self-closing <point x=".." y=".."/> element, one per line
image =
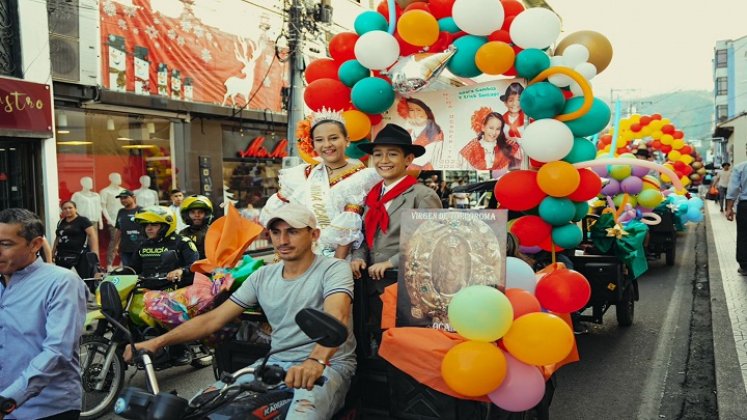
<point x="197" y="212"/>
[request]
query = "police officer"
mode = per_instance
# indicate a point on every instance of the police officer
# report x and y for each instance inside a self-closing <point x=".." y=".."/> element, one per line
<point x="160" y="226"/>
<point x="197" y="213"/>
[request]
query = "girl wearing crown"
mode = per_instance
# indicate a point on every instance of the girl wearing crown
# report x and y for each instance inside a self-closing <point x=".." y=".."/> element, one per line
<point x="422" y="126"/>
<point x="490" y="150"/>
<point x="333" y="189"/>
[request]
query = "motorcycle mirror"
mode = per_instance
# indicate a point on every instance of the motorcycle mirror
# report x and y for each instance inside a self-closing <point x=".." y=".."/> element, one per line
<point x="322" y="327"/>
<point x="111" y="304"/>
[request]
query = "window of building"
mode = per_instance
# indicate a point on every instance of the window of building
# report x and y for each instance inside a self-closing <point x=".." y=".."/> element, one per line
<point x="722" y="112"/>
<point x="720" y="59"/>
<point x="722" y="86"/>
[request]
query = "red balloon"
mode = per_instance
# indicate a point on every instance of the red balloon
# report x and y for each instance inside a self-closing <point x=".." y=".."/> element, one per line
<point x="635" y="127"/>
<point x="512" y="70"/>
<point x="375" y="118"/>
<point x="531" y="230"/>
<point x="322" y="68"/>
<point x="667" y="129"/>
<point x="548" y="245"/>
<point x="588" y="187"/>
<point x="500" y="35"/>
<point x="342" y="46"/>
<point x="679" y="166"/>
<point x="687" y="170"/>
<point x="507" y="23"/>
<point x="567" y="94"/>
<point x="383" y="8"/>
<point x="678" y="134"/>
<point x="686" y="150"/>
<point x="522" y="302"/>
<point x="512" y="7"/>
<point x="381" y="75"/>
<point x="655" y="116"/>
<point x="605" y="139"/>
<point x="665" y="148"/>
<point x="563" y="291"/>
<point x="518" y="190"/>
<point x="418" y="5"/>
<point x="536" y="163"/>
<point x="327" y="93"/>
<point x="645" y="120"/>
<point x="442" y="43"/>
<point x="441" y="8"/>
<point x="406" y="49"/>
<point x="656" y="144"/>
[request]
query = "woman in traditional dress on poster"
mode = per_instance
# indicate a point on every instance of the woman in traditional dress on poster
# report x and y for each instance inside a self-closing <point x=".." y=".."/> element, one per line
<point x="425" y="131"/>
<point x="490" y="150"/>
<point x="333" y="189"/>
<point x="514" y="118"/>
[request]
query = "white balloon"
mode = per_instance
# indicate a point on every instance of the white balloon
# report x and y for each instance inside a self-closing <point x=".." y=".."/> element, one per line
<point x="478" y="17"/>
<point x="559" y="80"/>
<point x="576" y="89"/>
<point x="376" y="50"/>
<point x="547" y="140"/>
<point x="535" y="27"/>
<point x="587" y="70"/>
<point x="575" y="54"/>
<point x="519" y="275"/>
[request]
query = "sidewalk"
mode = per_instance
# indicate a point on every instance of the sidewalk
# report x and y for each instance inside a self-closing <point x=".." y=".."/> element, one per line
<point x="729" y="314"/>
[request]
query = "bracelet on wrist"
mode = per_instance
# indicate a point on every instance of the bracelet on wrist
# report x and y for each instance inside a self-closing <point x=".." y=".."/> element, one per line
<point x="320" y="361"/>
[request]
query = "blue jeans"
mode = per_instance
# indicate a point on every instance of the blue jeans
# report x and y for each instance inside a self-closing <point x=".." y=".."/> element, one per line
<point x="322" y="402"/>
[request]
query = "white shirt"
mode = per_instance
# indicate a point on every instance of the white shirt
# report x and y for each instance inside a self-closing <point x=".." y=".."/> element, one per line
<point x="386" y="188"/>
<point x="723" y="178"/>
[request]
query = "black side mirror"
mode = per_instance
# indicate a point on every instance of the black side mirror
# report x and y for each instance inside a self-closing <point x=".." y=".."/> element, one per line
<point x="322" y="327"/>
<point x="111" y="304"/>
<point x="169" y="260"/>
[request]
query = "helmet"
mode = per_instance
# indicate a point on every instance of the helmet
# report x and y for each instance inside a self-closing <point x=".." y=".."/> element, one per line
<point x="160" y="215"/>
<point x="196" y="202"/>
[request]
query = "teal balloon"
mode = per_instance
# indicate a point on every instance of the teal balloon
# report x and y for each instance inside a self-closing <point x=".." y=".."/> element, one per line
<point x="583" y="150"/>
<point x="582" y="209"/>
<point x="480" y="313"/>
<point x="447" y="24"/>
<point x="557" y="211"/>
<point x="567" y="236"/>
<point x="542" y="100"/>
<point x="372" y="95"/>
<point x="370" y="21"/>
<point x="351" y="72"/>
<point x="593" y="122"/>
<point x="531" y="62"/>
<point x="352" y="151"/>
<point x="462" y="63"/>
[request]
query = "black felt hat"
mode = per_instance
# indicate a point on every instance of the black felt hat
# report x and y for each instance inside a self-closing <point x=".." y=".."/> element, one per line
<point x="393" y="135"/>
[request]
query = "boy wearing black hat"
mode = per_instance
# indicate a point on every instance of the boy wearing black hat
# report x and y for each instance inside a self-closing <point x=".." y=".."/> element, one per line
<point x="391" y="153"/>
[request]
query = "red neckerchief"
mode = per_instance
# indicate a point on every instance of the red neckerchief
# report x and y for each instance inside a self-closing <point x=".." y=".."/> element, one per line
<point x="513" y="128"/>
<point x="377" y="216"/>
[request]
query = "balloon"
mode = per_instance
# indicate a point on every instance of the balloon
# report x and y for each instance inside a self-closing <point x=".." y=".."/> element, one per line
<point x="535" y="28"/>
<point x="539" y="339"/>
<point x="416" y="71"/>
<point x="631" y="199"/>
<point x="581" y="151"/>
<point x="342" y="46"/>
<point x="352" y="151"/>
<point x="567" y="236"/>
<point x="518" y="190"/>
<point x="480" y="313"/>
<point x="558" y="179"/>
<point x="327" y="93"/>
<point x="478" y="17"/>
<point x="582" y="209"/>
<point x="557" y="211"/>
<point x="631" y="185"/>
<point x="547" y="140"/>
<point x="519" y="275"/>
<point x="512" y="7"/>
<point x="523" y="387"/>
<point x="542" y="100"/>
<point x="501" y="36"/>
<point x="651" y="165"/>
<point x="418" y="27"/>
<point x="463" y="62"/>
<point x="531" y="62"/>
<point x="563" y="290"/>
<point x="321" y="68"/>
<point x="650" y="198"/>
<point x="376" y="50"/>
<point x="370" y="21"/>
<point x="593" y="122"/>
<point x="575" y="54"/>
<point x="674" y="155"/>
<point x="447" y="24"/>
<point x="441" y="8"/>
<point x="357" y="123"/>
<point x="620" y="172"/>
<point x="418" y="5"/>
<point x="530" y="230"/>
<point x="473" y="368"/>
<point x="522" y="301"/>
<point x="495" y="58"/>
<point x="589" y="186"/>
<point x="600" y="49"/>
<point x="372" y="95"/>
<point x="351" y="72"/>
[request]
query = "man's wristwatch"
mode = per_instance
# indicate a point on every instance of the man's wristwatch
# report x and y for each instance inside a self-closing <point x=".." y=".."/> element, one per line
<point x="7" y="405"/>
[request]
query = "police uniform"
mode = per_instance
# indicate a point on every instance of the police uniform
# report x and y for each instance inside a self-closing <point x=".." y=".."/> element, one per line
<point x="197" y="235"/>
<point x="147" y="259"/>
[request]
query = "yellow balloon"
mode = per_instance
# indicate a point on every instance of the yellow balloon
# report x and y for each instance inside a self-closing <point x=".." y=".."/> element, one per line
<point x="495" y="58"/>
<point x="646" y="131"/>
<point x="685" y="181"/>
<point x="635" y="118"/>
<point x="665" y="121"/>
<point x="539" y="339"/>
<point x="625" y="124"/>
<point x="687" y="159"/>
<point x="656" y="124"/>
<point x="674" y="155"/>
<point x="666" y="139"/>
<point x="621" y="142"/>
<point x="357" y="123"/>
<point x="677" y="144"/>
<point x="656" y="134"/>
<point x="418" y="27"/>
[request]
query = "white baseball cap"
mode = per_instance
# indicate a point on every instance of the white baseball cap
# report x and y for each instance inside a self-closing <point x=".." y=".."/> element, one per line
<point x="294" y="214"/>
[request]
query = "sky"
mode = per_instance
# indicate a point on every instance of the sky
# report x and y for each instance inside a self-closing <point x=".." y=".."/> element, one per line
<point x="659" y="46"/>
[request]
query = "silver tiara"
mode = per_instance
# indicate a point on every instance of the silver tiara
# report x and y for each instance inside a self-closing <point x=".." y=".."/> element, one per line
<point x="326" y="114"/>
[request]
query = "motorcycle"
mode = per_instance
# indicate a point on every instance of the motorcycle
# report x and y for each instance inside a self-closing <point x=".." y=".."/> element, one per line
<point x="266" y="397"/>
<point x="101" y="347"/>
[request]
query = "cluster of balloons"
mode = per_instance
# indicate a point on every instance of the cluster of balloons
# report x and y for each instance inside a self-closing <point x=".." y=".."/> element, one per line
<point x="687" y="209"/>
<point x="632" y="184"/>
<point x="510" y="335"/>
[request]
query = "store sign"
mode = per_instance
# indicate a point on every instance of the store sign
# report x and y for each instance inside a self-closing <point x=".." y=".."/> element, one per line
<point x="25" y="106"/>
<point x="256" y="149"/>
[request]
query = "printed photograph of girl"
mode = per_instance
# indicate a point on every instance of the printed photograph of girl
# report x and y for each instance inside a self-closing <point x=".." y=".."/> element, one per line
<point x="425" y="131"/>
<point x="491" y="149"/>
<point x="514" y="118"/>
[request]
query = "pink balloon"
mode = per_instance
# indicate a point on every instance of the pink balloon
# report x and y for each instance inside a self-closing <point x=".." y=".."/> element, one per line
<point x="522" y="388"/>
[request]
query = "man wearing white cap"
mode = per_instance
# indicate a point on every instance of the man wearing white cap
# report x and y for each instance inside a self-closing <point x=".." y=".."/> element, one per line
<point x="300" y="280"/>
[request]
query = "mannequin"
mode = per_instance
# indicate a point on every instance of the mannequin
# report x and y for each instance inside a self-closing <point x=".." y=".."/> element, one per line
<point x="110" y="205"/>
<point x="144" y="196"/>
<point x="89" y="202"/>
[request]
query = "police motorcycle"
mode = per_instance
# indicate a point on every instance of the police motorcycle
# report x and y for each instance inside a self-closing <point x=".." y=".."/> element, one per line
<point x="101" y="347"/>
<point x="265" y="397"/>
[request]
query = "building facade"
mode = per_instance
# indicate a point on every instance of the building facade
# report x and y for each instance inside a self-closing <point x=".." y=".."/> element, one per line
<point x="730" y="100"/>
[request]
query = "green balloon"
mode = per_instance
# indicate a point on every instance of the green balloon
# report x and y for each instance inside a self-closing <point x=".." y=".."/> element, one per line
<point x="372" y="95"/>
<point x="582" y="209"/>
<point x="583" y="150"/>
<point x="480" y="313"/>
<point x="370" y="21"/>
<point x="542" y="100"/>
<point x="462" y="63"/>
<point x="351" y="72"/>
<point x="352" y="151"/>
<point x="620" y="172"/>
<point x="618" y="200"/>
<point x="557" y="211"/>
<point x="650" y="199"/>
<point x="567" y="236"/>
<point x="593" y="122"/>
<point x="531" y="62"/>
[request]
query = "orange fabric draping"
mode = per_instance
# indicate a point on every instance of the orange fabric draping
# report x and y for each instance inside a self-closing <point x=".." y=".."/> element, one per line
<point x="226" y="240"/>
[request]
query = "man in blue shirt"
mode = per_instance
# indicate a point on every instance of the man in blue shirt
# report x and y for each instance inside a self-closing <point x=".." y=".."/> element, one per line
<point x="42" y="310"/>
<point x="737" y="191"/>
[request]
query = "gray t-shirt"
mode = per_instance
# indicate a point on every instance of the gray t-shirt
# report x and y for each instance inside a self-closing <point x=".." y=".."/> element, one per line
<point x="281" y="300"/>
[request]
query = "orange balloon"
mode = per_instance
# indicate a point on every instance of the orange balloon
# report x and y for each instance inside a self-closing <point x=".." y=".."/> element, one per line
<point x="495" y="57"/>
<point x="558" y="179"/>
<point x="357" y="123"/>
<point x="418" y="27"/>
<point x="522" y="302"/>
<point x="539" y="339"/>
<point x="474" y="368"/>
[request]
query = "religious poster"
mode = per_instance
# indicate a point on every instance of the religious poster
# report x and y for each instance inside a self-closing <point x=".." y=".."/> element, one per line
<point x="443" y="251"/>
<point x="475" y="127"/>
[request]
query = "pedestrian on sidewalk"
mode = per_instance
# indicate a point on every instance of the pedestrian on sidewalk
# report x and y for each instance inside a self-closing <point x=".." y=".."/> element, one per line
<point x="737" y="191"/>
<point x="722" y="183"/>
